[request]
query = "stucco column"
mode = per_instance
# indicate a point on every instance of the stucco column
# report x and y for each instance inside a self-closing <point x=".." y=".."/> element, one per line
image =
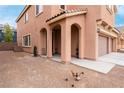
<point x="49" y="43"/>
<point x="66" y="43"/>
<point x="39" y="44"/>
<point x="81" y="43"/>
<point x="109" y="46"/>
<point x="115" y="44"/>
<point x="119" y="43"/>
<point x="97" y="46"/>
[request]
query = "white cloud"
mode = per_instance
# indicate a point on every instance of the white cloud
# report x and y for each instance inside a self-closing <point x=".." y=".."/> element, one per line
<point x="120" y="10"/>
<point x="9" y="20"/>
<point x="6" y="19"/>
<point x="2" y="7"/>
<point x="119" y="25"/>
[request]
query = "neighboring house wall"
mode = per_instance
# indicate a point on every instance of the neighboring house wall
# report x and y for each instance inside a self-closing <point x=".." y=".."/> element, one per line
<point x="121" y="41"/>
<point x="14" y="36"/>
<point x="1" y="36"/>
<point x="6" y="46"/>
<point x="121" y="37"/>
<point x="2" y="33"/>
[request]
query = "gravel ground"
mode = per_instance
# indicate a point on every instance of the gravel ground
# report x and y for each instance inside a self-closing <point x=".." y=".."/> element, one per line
<point x="21" y="70"/>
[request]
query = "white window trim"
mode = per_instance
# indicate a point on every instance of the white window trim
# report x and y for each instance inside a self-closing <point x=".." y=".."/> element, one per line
<point x="61" y="8"/>
<point x="26" y="14"/>
<point x="110" y="9"/>
<point x="39" y="12"/>
<point x="28" y="41"/>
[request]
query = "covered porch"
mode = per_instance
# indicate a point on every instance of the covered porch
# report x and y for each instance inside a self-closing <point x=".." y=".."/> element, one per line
<point x="65" y="37"/>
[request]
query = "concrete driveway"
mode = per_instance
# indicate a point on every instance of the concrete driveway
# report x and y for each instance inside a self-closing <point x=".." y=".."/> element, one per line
<point x="115" y="58"/>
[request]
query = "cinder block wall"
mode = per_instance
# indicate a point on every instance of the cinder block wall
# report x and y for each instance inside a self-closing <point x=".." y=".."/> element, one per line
<point x="5" y="46"/>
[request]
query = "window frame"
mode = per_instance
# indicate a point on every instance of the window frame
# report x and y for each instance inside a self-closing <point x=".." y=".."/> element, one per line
<point x="29" y="41"/>
<point x="40" y="11"/>
<point x="109" y="8"/>
<point x="26" y="17"/>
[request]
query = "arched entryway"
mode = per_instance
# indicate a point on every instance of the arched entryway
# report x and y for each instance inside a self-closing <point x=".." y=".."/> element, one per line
<point x="43" y="34"/>
<point x="56" y="40"/>
<point x="75" y="28"/>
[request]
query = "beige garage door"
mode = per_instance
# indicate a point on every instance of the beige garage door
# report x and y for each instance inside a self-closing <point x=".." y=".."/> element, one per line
<point x="103" y="45"/>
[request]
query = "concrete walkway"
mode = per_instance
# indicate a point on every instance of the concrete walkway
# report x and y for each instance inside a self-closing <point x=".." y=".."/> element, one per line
<point x="98" y="66"/>
<point x="104" y="64"/>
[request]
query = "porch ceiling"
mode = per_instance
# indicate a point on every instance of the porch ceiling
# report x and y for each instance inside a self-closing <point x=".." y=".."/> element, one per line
<point x="65" y="14"/>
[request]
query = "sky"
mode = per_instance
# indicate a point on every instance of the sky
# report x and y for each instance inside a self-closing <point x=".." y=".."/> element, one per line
<point x="9" y="13"/>
<point x="119" y="19"/>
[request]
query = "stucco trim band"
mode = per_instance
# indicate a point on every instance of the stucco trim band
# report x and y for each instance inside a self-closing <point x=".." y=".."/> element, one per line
<point x="101" y="22"/>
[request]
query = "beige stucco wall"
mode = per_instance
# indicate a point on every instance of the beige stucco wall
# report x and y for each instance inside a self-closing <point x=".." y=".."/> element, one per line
<point x="33" y="27"/>
<point x="91" y="36"/>
<point x="107" y="15"/>
<point x="88" y="36"/>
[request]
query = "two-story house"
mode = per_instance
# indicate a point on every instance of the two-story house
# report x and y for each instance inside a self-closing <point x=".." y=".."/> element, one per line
<point x="85" y="31"/>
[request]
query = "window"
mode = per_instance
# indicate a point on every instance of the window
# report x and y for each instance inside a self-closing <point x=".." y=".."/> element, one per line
<point x="110" y="8"/>
<point x="62" y="7"/>
<point x="26" y="40"/>
<point x="26" y="17"/>
<point x="39" y="9"/>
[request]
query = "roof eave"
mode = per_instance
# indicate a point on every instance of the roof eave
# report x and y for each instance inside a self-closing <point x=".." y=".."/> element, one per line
<point x="23" y="11"/>
<point x="65" y="16"/>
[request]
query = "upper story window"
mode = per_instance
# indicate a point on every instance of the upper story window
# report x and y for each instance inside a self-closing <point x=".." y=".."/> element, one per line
<point x="110" y="8"/>
<point x="38" y="9"/>
<point x="62" y="7"/>
<point x="26" y="17"/>
<point x="26" y="41"/>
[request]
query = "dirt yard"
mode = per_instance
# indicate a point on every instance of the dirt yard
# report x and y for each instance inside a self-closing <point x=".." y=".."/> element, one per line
<point x="19" y="69"/>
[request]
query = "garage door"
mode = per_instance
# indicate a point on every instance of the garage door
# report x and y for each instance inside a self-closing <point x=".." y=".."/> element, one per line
<point x="103" y="45"/>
